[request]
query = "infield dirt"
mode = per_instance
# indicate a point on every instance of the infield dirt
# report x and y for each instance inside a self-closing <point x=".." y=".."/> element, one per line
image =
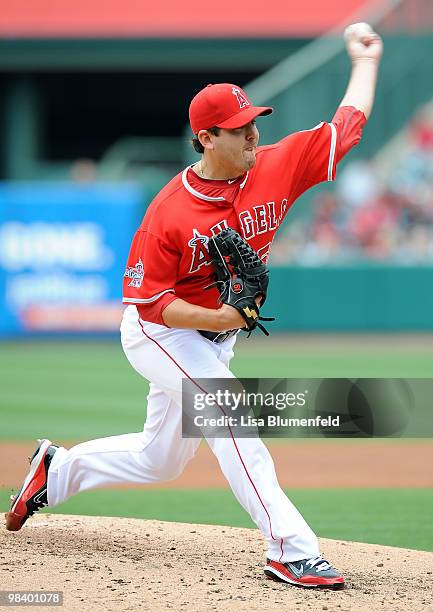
<point x="359" y="463"/>
<point x="110" y="564"/>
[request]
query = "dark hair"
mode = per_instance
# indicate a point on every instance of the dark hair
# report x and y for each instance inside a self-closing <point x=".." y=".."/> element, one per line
<point x="198" y="147"/>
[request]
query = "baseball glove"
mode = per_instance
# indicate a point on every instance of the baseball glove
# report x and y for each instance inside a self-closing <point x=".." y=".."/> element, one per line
<point x="240" y="276"/>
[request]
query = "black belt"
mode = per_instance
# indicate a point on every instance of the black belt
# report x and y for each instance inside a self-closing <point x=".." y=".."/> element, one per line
<point x="218" y="337"/>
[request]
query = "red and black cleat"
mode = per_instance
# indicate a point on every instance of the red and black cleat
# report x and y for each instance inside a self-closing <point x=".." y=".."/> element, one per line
<point x="33" y="493"/>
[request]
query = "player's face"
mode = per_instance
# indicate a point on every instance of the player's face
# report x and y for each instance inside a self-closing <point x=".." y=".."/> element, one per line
<point x="236" y="149"/>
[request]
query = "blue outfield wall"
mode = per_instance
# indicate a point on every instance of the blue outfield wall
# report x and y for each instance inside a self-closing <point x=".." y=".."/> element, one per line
<point x="63" y="249"/>
<point x="360" y="298"/>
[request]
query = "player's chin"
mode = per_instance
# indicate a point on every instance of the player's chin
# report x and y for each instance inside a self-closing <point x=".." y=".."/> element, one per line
<point x="249" y="159"/>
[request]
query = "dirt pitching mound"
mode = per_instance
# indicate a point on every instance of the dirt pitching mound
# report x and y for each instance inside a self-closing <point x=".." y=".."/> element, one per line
<point x="110" y="564"/>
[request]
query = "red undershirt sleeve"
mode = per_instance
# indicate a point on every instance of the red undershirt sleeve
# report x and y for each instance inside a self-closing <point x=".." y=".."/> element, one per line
<point x="153" y="312"/>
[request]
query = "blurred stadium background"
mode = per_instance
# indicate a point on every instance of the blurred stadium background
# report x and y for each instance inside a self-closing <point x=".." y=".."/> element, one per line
<point x="93" y="113"/>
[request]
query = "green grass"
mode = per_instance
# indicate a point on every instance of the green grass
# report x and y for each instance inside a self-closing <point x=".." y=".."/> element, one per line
<point x="82" y="390"/>
<point x="336" y="361"/>
<point x="395" y="517"/>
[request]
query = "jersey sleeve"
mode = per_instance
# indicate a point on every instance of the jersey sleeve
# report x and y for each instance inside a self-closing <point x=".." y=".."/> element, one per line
<point x="349" y="123"/>
<point x="313" y="154"/>
<point x="150" y="275"/>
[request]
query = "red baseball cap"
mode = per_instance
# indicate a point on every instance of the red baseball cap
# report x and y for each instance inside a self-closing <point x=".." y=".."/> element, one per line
<point x="223" y="105"/>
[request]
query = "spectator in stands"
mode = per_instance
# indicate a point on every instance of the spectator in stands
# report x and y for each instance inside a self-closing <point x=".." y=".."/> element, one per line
<point x="365" y="219"/>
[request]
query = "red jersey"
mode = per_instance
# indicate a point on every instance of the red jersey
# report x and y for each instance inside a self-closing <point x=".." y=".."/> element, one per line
<point x="169" y="257"/>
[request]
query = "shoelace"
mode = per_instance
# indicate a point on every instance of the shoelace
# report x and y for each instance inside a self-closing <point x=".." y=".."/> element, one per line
<point x="320" y="563"/>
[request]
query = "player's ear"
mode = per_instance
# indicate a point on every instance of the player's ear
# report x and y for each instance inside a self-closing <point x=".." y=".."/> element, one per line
<point x="206" y="139"/>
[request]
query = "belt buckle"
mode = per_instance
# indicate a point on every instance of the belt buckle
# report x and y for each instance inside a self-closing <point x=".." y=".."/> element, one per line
<point x="218" y="338"/>
<point x="225" y="336"/>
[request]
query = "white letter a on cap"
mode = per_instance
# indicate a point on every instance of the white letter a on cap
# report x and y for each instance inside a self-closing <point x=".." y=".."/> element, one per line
<point x="240" y="98"/>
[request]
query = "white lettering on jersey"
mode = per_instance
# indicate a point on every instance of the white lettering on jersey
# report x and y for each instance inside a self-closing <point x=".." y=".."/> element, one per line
<point x="264" y="218"/>
<point x="247" y="224"/>
<point x="198" y="243"/>
<point x="283" y="210"/>
<point x="200" y="254"/>
<point x="272" y="220"/>
<point x="219" y="227"/>
<point x="263" y="253"/>
<point x="261" y="221"/>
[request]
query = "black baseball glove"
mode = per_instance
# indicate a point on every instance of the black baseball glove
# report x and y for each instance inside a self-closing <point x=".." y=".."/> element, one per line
<point x="240" y="276"/>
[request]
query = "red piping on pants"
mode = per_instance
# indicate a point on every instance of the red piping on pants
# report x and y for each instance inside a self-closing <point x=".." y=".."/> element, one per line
<point x="231" y="433"/>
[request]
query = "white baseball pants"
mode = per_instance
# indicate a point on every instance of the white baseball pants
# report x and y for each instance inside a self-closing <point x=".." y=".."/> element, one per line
<point x="164" y="356"/>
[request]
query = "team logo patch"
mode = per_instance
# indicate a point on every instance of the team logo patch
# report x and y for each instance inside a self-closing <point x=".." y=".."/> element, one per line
<point x="242" y="100"/>
<point x="136" y="274"/>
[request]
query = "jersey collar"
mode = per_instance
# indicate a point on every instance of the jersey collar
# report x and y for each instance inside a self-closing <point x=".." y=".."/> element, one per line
<point x="202" y="196"/>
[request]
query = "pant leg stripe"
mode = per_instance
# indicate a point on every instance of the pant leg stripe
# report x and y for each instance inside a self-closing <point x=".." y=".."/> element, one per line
<point x="222" y="410"/>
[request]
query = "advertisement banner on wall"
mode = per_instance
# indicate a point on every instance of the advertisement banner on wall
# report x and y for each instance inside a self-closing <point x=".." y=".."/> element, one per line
<point x="63" y="249"/>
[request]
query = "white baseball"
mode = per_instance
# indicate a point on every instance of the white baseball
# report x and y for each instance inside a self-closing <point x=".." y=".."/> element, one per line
<point x="358" y="31"/>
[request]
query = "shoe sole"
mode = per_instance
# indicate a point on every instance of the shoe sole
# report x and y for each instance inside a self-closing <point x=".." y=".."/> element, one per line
<point x="274" y="574"/>
<point x="14" y="521"/>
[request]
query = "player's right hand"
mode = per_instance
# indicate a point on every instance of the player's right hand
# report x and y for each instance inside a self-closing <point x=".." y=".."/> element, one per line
<point x="362" y="42"/>
<point x="232" y="318"/>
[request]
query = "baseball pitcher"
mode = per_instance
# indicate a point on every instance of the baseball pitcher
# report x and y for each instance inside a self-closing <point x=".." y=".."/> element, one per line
<point x="196" y="276"/>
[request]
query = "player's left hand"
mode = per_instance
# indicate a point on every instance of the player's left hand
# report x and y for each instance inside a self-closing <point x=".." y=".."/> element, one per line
<point x="362" y="42"/>
<point x="241" y="277"/>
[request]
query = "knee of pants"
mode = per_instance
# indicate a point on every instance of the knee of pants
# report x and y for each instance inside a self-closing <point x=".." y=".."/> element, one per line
<point x="165" y="471"/>
<point x="167" y="468"/>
